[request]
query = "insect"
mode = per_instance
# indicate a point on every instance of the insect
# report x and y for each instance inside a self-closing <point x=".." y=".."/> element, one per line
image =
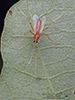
<point x="38" y="28"/>
<point x="38" y="25"/>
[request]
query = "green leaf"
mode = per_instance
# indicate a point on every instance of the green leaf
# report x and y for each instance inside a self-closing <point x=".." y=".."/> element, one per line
<point x="51" y="72"/>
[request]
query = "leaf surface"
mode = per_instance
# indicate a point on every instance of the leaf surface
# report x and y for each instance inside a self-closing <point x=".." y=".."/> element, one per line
<point x="51" y="72"/>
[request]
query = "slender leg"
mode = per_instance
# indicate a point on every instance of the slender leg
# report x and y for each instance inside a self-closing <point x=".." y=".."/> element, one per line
<point x="52" y="22"/>
<point x="36" y="61"/>
<point x="28" y="32"/>
<point x="31" y="57"/>
<point x="24" y="34"/>
<point x="48" y="37"/>
<point x="27" y="19"/>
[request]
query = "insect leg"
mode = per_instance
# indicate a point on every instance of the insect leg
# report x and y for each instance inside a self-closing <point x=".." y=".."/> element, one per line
<point x="30" y="58"/>
<point x="27" y="19"/>
<point x="48" y="37"/>
<point x="28" y="32"/>
<point x="36" y="61"/>
<point x="24" y="34"/>
<point x="52" y="22"/>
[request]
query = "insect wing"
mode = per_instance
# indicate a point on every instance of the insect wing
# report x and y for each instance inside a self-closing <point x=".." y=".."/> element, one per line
<point x="35" y="19"/>
<point x="43" y="19"/>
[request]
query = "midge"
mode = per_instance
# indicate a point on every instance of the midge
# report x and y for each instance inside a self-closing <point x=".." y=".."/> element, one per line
<point x="38" y="25"/>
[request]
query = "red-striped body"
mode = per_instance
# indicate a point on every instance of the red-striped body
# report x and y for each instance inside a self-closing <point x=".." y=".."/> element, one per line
<point x="37" y="31"/>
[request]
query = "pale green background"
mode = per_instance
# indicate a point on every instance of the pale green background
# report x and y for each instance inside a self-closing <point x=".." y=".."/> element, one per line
<point x="19" y="83"/>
